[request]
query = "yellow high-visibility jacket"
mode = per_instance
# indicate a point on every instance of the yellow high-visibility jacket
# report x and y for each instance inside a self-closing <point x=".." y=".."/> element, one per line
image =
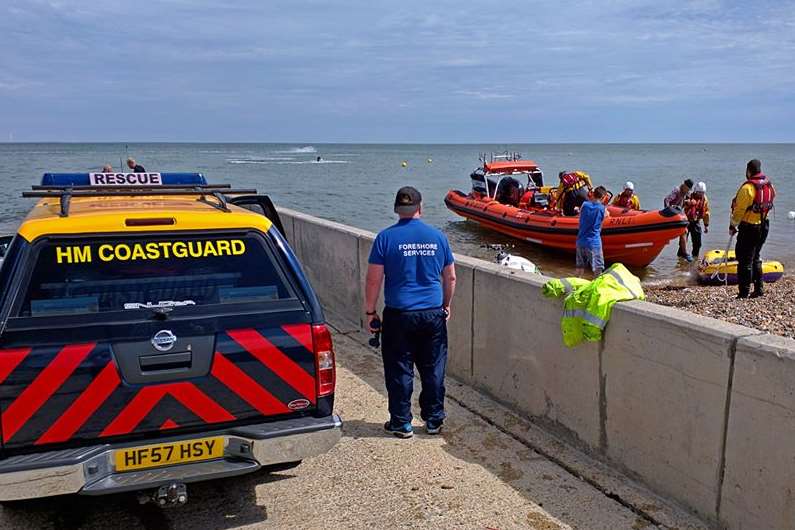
<point x="741" y="206"/>
<point x="588" y="306"/>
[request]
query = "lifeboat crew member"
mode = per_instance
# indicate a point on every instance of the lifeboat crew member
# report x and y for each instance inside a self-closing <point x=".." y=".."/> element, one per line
<point x="627" y="198"/>
<point x="573" y="190"/>
<point x="414" y="262"/>
<point x="749" y="221"/>
<point x="136" y="167"/>
<point x="679" y="194"/>
<point x="696" y="210"/>
<point x="676" y="199"/>
<point x="107" y="168"/>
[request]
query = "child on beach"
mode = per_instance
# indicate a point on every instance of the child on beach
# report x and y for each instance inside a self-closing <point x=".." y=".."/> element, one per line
<point x="589" y="236"/>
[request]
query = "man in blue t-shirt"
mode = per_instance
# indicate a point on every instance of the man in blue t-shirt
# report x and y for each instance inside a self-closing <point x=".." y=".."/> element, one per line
<point x="589" y="236"/>
<point x="415" y="263"/>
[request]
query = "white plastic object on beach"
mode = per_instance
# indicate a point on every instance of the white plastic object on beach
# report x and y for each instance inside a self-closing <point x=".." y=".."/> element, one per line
<point x="791" y="215"/>
<point x="516" y="262"/>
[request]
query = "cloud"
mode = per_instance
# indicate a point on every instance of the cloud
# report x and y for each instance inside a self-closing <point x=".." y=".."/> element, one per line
<point x="484" y="94"/>
<point x="9" y="84"/>
<point x="314" y="65"/>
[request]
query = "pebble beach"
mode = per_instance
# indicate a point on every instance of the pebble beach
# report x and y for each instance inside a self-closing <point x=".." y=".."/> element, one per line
<point x="774" y="312"/>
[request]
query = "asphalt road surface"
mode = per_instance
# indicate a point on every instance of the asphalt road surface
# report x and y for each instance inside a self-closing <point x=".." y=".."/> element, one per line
<point x="489" y="469"/>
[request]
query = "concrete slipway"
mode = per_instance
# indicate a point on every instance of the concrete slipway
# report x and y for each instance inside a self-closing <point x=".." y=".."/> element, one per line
<point x="699" y="410"/>
<point x="490" y="469"/>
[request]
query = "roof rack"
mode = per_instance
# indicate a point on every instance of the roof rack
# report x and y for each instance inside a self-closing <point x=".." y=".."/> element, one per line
<point x="65" y="193"/>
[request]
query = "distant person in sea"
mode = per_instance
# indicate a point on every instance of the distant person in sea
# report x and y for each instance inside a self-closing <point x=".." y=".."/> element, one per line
<point x="627" y="198"/>
<point x="697" y="211"/>
<point x="414" y="262"/>
<point x="136" y="167"/>
<point x="573" y="191"/>
<point x="107" y="168"/>
<point x="749" y="221"/>
<point x="676" y="199"/>
<point x="589" y="235"/>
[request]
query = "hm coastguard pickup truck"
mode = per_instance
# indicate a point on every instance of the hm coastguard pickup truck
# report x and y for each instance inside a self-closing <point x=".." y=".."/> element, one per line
<point x="154" y="334"/>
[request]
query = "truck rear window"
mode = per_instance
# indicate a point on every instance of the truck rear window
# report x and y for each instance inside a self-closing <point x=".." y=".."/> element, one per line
<point x="102" y="275"/>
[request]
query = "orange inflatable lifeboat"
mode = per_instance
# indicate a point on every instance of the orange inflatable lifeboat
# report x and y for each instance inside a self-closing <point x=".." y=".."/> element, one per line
<point x="631" y="237"/>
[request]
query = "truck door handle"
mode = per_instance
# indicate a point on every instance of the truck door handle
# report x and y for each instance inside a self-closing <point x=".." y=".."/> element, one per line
<point x="169" y="361"/>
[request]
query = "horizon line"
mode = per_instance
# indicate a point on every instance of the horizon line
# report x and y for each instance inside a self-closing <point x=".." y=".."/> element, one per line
<point x="313" y="143"/>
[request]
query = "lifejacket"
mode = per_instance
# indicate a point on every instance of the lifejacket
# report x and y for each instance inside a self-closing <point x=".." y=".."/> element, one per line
<point x="624" y="200"/>
<point x="764" y="196"/>
<point x="572" y="180"/>
<point x="694" y="208"/>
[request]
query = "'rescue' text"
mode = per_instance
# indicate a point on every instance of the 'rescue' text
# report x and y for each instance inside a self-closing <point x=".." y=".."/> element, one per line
<point x="125" y="179"/>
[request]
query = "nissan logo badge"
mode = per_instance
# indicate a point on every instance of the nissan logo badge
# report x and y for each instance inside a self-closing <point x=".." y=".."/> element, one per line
<point x="298" y="404"/>
<point x="164" y="340"/>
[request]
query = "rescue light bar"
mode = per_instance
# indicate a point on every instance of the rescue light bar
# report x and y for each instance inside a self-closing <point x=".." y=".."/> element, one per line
<point x="63" y="180"/>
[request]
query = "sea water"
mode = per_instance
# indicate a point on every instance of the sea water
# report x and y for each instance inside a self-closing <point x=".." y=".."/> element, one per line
<point x="356" y="183"/>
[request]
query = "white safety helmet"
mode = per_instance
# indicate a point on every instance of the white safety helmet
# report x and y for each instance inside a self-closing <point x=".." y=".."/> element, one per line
<point x="629" y="186"/>
<point x="701" y="188"/>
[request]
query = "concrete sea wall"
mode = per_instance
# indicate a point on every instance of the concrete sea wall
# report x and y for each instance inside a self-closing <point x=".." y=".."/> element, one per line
<point x="700" y="410"/>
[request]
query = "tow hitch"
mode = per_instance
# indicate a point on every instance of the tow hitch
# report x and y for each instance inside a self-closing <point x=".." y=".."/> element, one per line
<point x="173" y="494"/>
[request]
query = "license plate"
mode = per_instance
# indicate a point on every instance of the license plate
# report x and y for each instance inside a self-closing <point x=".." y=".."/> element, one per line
<point x="167" y="454"/>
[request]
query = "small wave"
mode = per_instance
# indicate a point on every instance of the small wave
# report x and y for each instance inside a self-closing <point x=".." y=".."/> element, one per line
<point x="299" y="150"/>
<point x="280" y="162"/>
<point x="314" y="162"/>
<point x="262" y="160"/>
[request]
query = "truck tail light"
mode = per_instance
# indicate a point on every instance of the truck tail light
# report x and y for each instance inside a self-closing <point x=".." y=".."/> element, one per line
<point x="324" y="359"/>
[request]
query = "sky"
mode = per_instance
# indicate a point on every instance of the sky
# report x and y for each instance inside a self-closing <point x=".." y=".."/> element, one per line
<point x="410" y="71"/>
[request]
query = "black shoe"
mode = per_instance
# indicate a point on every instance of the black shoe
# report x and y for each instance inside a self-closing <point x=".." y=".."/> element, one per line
<point x="742" y="295"/>
<point x="757" y="294"/>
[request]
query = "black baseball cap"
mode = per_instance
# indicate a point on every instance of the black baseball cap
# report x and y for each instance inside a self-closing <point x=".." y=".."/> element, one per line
<point x="407" y="200"/>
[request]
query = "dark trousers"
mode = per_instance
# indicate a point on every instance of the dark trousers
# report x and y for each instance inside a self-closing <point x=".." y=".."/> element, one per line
<point x="414" y="338"/>
<point x="750" y="239"/>
<point x="694" y="229"/>
<point x="574" y="199"/>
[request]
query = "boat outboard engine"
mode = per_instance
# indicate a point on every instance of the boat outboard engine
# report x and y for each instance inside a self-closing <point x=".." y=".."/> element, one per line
<point x="537" y="177"/>
<point x="479" y="182"/>
<point x="509" y="191"/>
<point x="515" y="262"/>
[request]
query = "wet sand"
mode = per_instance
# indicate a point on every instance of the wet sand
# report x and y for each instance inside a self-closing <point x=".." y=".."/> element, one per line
<point x="773" y="313"/>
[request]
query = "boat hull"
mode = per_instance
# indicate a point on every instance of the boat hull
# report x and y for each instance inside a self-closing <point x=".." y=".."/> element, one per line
<point x="631" y="237"/>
